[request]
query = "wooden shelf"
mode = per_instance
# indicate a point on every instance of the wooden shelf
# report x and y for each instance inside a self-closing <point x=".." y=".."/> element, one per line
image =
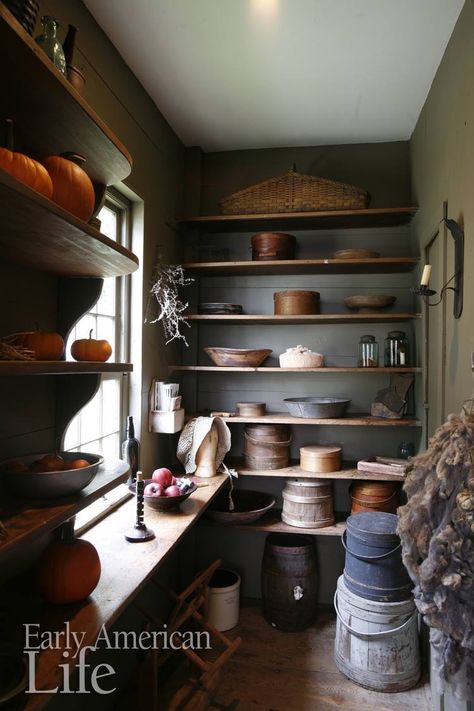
<point x="271" y="523"/>
<point x="381" y="265"/>
<point x="351" y="420"/>
<point x="59" y="367"/>
<point x="276" y="369"/>
<point x="38" y="233"/>
<point x="126" y="568"/>
<point x="49" y="115"/>
<point x="349" y="472"/>
<point x="26" y="519"/>
<point x="371" y="217"/>
<point x="241" y="319"/>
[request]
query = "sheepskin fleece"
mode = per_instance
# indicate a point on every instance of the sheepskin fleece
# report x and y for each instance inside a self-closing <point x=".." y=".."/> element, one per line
<point x="436" y="528"/>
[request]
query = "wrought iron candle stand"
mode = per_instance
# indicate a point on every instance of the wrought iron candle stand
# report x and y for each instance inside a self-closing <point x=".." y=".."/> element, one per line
<point x="139" y="533"/>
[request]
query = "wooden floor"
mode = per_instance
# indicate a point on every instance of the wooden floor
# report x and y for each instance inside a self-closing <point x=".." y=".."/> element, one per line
<point x="282" y="671"/>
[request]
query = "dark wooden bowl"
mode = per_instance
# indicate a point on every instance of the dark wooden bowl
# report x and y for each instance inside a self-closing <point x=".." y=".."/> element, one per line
<point x="164" y="503"/>
<point x="249" y="507"/>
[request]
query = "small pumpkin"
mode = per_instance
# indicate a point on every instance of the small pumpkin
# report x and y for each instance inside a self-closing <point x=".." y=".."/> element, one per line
<point x="72" y="188"/>
<point x="69" y="569"/>
<point x="47" y="345"/>
<point x="91" y="349"/>
<point x="28" y="171"/>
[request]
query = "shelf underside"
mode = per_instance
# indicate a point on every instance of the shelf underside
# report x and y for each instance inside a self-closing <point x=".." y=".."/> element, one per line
<point x="371" y="217"/>
<point x="38" y="233"/>
<point x="49" y="115"/>
<point x="351" y="420"/>
<point x="349" y="471"/>
<point x="26" y="519"/>
<point x="381" y="265"/>
<point x="271" y="523"/>
<point x="302" y="319"/>
<point x="270" y="369"/>
<point x="59" y="367"/>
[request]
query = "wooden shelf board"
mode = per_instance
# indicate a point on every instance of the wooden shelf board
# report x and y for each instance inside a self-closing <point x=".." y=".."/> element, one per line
<point x="349" y="471"/>
<point x="26" y="519"/>
<point x="59" y="367"/>
<point x="388" y="317"/>
<point x="126" y="567"/>
<point x="271" y="523"/>
<point x="358" y="420"/>
<point x="276" y="369"/>
<point x="381" y="265"/>
<point x="49" y="115"/>
<point x="370" y="217"/>
<point x="38" y="233"/>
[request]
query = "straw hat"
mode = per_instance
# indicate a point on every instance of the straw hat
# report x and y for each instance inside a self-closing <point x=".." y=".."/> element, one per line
<point x="192" y="436"/>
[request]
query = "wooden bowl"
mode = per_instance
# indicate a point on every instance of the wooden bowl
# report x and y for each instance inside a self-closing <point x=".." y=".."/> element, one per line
<point x="249" y="507"/>
<point x="355" y="254"/>
<point x="247" y="357"/>
<point x="164" y="503"/>
<point x="369" y="304"/>
<point x="53" y="484"/>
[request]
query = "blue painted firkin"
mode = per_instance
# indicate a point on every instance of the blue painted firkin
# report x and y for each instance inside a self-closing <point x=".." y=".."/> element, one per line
<point x="373" y="567"/>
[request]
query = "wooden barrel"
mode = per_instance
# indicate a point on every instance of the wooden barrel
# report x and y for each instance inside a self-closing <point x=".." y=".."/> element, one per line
<point x="375" y="496"/>
<point x="268" y="246"/>
<point x="373" y="566"/>
<point x="266" y="446"/>
<point x="376" y="643"/>
<point x="296" y="302"/>
<point x="289" y="581"/>
<point x="320" y="458"/>
<point x="307" y="503"/>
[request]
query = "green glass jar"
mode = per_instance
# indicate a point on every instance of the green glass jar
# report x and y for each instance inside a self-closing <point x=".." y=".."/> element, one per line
<point x="396" y="350"/>
<point x="368" y="352"/>
<point x="50" y="44"/>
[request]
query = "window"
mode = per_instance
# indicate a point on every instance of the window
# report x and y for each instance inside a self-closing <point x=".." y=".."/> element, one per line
<point x="97" y="427"/>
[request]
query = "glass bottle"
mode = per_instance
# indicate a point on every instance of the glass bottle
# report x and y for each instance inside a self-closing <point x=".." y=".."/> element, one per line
<point x="396" y="349"/>
<point x="368" y="352"/>
<point x="406" y="450"/>
<point x="131" y="449"/>
<point x="49" y="43"/>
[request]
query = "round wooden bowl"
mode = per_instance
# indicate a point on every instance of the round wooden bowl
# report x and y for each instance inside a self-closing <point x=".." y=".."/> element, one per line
<point x="250" y="409"/>
<point x="251" y="357"/>
<point x="164" y="503"/>
<point x="355" y="254"/>
<point x="369" y="304"/>
<point x="249" y="507"/>
<point x="49" y="485"/>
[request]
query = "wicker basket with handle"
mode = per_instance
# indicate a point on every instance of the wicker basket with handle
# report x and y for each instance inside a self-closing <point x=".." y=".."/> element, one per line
<point x="294" y="192"/>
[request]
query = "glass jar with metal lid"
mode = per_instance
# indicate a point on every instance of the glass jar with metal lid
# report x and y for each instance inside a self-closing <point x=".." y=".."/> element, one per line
<point x="368" y="352"/>
<point x="396" y="349"/>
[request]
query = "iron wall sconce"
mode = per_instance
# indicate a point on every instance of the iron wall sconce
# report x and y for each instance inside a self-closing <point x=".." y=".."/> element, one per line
<point x="457" y="233"/>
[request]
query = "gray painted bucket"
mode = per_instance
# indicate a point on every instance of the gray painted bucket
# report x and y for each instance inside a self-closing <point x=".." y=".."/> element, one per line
<point x="377" y="643"/>
<point x="373" y="566"/>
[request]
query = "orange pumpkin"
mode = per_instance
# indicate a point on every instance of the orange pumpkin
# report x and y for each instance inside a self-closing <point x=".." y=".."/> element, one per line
<point x="91" y="349"/>
<point x="72" y="188"/>
<point x="69" y="569"/>
<point x="25" y="169"/>
<point x="47" y="345"/>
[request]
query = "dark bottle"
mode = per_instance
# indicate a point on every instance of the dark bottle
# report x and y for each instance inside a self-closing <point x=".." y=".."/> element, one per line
<point x="131" y="449"/>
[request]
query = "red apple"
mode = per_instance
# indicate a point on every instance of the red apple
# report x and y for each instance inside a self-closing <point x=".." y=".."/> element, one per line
<point x="162" y="476"/>
<point x="172" y="490"/>
<point x="153" y="489"/>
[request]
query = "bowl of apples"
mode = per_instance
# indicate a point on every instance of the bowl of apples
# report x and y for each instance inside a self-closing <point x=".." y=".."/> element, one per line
<point x="165" y="491"/>
<point x="49" y="475"/>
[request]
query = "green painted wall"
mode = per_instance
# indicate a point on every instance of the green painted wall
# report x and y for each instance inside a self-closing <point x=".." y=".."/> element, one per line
<point x="442" y="159"/>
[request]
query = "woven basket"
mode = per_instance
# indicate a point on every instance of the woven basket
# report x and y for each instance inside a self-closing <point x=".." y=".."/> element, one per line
<point x="294" y="192"/>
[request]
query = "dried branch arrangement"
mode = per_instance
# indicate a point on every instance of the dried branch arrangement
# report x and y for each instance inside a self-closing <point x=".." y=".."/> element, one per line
<point x="165" y="288"/>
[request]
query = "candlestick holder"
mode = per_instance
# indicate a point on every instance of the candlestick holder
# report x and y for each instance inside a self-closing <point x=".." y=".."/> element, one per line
<point x="140" y="532"/>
